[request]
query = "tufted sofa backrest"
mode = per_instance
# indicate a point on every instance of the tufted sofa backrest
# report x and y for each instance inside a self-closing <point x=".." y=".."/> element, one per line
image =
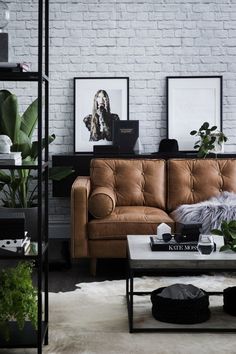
<point x="135" y="181"/>
<point x="192" y="181"/>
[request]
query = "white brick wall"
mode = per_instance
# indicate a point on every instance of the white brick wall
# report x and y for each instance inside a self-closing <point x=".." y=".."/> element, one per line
<point x="146" y="40"/>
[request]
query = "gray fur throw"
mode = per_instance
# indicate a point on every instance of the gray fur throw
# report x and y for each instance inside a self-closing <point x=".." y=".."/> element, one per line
<point x="209" y="213"/>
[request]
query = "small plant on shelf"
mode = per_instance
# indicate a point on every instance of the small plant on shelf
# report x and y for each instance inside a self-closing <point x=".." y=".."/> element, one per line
<point x="18" y="297"/>
<point x="210" y="139"/>
<point x="228" y="231"/>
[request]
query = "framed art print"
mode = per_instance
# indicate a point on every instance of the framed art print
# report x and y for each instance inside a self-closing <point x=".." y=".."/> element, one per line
<point x="99" y="102"/>
<point x="191" y="101"/>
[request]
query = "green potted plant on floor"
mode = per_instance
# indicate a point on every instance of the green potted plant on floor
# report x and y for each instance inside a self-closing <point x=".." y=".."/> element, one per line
<point x="210" y="139"/>
<point x="18" y="187"/>
<point x="228" y="231"/>
<point x="18" y="298"/>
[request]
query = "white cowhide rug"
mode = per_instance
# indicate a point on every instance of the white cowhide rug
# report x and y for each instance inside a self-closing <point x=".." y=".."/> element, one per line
<point x="93" y="319"/>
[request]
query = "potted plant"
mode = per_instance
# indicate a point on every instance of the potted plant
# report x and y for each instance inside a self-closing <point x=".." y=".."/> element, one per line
<point x="18" y="297"/>
<point x="211" y="139"/>
<point x="18" y="187"/>
<point x="228" y="231"/>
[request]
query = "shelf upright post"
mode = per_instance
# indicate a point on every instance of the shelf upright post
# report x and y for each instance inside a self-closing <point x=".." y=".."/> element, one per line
<point x="40" y="100"/>
<point x="46" y="211"/>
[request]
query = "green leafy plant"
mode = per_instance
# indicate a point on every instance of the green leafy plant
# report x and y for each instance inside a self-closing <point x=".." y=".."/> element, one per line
<point x="18" y="297"/>
<point x="209" y="137"/>
<point x="16" y="185"/>
<point x="228" y="231"/>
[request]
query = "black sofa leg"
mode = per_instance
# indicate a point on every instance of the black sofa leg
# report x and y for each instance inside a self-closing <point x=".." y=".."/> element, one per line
<point x="93" y="266"/>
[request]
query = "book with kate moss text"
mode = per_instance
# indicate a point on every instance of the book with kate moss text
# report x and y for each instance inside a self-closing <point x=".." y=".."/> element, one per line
<point x="173" y="246"/>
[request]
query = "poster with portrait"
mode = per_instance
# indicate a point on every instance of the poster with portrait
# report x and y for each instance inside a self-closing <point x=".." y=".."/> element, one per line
<point x="98" y="103"/>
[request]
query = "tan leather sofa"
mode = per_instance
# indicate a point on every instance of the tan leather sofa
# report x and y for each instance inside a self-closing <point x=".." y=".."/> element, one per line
<point x="133" y="196"/>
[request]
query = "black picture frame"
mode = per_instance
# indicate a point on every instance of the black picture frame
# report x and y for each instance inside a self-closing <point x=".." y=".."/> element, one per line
<point x="98" y="101"/>
<point x="191" y="101"/>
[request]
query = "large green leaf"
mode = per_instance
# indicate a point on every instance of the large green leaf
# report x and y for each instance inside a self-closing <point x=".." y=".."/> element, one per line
<point x="4" y="177"/>
<point x="217" y="232"/>
<point x="232" y="224"/>
<point x="59" y="172"/>
<point x="22" y="144"/>
<point x="29" y="119"/>
<point x="232" y="234"/>
<point x="35" y="146"/>
<point x="3" y="95"/>
<point x="224" y="248"/>
<point x="10" y="119"/>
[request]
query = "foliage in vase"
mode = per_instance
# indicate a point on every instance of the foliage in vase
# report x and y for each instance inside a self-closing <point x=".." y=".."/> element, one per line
<point x="18" y="297"/>
<point x="228" y="231"/>
<point x="209" y="137"/>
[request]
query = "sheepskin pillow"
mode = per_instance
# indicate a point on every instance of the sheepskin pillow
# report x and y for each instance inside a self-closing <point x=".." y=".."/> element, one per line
<point x="101" y="202"/>
<point x="209" y="213"/>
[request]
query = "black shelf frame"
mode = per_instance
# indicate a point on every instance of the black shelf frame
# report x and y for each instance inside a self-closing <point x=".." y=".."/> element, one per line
<point x="24" y="167"/>
<point x="23" y="76"/>
<point x="29" y="337"/>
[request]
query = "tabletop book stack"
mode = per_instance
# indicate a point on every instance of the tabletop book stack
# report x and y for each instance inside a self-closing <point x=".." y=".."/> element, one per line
<point x="14" y="67"/>
<point x="13" y="237"/>
<point x="10" y="246"/>
<point x="173" y="246"/>
<point x="11" y="158"/>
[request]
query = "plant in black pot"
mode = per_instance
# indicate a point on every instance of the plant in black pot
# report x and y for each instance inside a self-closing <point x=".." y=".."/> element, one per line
<point x="18" y="187"/>
<point x="228" y="231"/>
<point x="18" y="298"/>
<point x="210" y="139"/>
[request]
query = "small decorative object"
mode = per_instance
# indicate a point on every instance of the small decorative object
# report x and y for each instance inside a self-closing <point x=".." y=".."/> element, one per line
<point x="228" y="231"/>
<point x="5" y="144"/>
<point x="229" y="295"/>
<point x="163" y="229"/>
<point x="211" y="140"/>
<point x="99" y="102"/>
<point x="138" y="147"/>
<point x="192" y="230"/>
<point x="180" y="303"/>
<point x="4" y="19"/>
<point x="205" y="244"/>
<point x="169" y="145"/>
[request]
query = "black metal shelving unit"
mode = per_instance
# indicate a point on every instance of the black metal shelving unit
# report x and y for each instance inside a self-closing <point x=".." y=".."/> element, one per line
<point x="29" y="337"/>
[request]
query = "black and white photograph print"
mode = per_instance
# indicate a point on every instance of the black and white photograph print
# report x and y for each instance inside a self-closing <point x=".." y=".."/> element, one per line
<point x="98" y="103"/>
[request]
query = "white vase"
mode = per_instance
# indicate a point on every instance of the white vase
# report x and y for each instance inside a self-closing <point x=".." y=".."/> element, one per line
<point x="219" y="148"/>
<point x="138" y="147"/>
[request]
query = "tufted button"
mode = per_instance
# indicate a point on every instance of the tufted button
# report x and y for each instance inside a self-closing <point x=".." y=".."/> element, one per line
<point x="221" y="190"/>
<point x="192" y="190"/>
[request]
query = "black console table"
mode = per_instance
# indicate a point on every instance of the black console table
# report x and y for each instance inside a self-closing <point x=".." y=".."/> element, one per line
<point x="81" y="164"/>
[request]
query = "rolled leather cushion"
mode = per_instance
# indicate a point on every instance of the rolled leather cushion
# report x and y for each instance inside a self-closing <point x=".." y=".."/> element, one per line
<point x="180" y="310"/>
<point x="101" y="202"/>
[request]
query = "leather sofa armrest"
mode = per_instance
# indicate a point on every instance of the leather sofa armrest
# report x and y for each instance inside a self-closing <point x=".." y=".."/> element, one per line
<point x="80" y="191"/>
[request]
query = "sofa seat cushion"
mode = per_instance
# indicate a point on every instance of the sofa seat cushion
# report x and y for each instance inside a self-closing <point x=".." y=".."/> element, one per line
<point x="128" y="220"/>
